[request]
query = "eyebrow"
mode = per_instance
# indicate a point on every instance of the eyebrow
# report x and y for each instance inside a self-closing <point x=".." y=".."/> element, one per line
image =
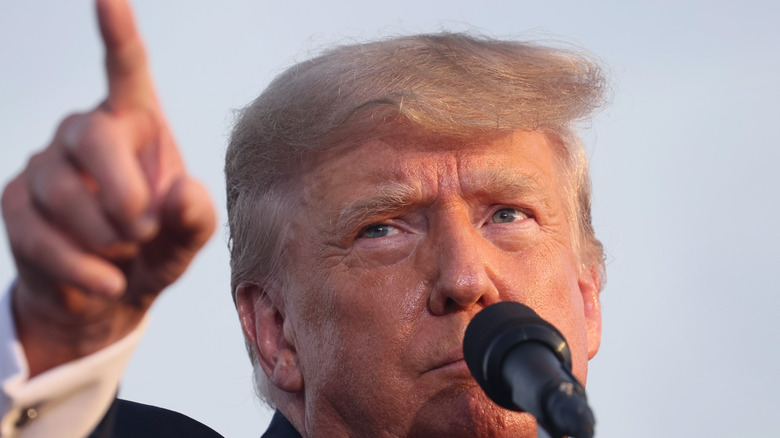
<point x="501" y="184"/>
<point x="389" y="199"/>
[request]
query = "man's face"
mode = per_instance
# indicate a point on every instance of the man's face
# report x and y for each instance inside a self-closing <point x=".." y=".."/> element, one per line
<point x="398" y="243"/>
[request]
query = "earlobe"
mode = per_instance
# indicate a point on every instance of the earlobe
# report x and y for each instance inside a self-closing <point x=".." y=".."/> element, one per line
<point x="271" y="340"/>
<point x="590" y="288"/>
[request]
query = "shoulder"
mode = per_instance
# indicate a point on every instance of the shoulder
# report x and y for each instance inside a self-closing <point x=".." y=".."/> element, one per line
<point x="126" y="419"/>
<point x="280" y="427"/>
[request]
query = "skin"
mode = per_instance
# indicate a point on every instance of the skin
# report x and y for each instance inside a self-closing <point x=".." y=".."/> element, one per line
<point x="397" y="243"/>
<point x="104" y="218"/>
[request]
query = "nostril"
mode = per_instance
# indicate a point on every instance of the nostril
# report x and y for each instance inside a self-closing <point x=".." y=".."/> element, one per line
<point x="453" y="305"/>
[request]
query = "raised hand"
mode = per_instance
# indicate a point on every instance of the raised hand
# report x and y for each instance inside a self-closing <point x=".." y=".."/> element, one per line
<point x="104" y="218"/>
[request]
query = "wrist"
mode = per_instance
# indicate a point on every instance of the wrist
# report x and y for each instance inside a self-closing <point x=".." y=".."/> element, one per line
<point x="54" y="333"/>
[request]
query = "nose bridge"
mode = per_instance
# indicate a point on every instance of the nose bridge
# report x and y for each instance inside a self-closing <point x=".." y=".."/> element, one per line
<point x="462" y="274"/>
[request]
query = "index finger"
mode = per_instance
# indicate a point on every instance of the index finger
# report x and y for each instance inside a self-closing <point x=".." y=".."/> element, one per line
<point x="129" y="81"/>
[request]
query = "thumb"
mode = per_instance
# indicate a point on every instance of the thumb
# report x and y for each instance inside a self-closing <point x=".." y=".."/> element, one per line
<point x="187" y="221"/>
<point x="187" y="214"/>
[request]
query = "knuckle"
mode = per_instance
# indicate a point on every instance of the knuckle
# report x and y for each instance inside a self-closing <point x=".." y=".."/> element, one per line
<point x="36" y="162"/>
<point x="82" y="133"/>
<point x="87" y="138"/>
<point x="69" y="128"/>
<point x="13" y="197"/>
<point x="37" y="172"/>
<point x="70" y="121"/>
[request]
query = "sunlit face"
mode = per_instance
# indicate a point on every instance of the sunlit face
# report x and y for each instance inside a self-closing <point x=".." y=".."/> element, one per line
<point x="396" y="245"/>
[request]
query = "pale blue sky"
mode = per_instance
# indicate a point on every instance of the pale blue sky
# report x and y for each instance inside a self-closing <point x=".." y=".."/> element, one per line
<point x="684" y="168"/>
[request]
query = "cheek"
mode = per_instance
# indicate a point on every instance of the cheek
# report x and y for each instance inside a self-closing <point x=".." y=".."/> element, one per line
<point x="378" y="306"/>
<point x="546" y="280"/>
<point x="359" y="316"/>
<point x="361" y="339"/>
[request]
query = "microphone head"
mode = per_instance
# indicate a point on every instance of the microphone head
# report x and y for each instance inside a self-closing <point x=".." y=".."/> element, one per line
<point x="496" y="330"/>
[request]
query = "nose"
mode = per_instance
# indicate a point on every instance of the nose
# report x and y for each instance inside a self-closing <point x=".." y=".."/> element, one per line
<point x="462" y="275"/>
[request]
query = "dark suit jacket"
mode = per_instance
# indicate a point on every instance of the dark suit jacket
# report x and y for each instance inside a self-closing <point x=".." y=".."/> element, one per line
<point x="126" y="419"/>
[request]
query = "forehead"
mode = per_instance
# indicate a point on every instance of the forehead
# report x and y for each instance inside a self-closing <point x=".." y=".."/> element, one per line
<point x="425" y="162"/>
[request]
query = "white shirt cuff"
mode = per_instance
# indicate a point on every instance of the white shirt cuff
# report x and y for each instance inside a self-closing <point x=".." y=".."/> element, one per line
<point x="66" y="401"/>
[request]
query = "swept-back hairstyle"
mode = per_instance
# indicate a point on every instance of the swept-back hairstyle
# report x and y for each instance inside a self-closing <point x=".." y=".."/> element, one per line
<point x="448" y="84"/>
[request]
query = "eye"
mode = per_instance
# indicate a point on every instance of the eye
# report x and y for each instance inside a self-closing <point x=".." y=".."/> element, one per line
<point x="506" y="215"/>
<point x="378" y="230"/>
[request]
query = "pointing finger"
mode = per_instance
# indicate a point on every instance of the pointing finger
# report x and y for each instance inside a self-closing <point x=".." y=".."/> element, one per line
<point x="129" y="81"/>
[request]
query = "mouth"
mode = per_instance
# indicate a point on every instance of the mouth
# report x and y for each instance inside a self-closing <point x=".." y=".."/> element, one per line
<point x="453" y="363"/>
<point x="456" y="365"/>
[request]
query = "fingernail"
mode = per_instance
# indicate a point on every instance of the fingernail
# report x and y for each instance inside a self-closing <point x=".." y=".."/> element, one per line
<point x="111" y="285"/>
<point x="146" y="227"/>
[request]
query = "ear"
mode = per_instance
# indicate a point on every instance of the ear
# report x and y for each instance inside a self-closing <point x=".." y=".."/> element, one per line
<point x="272" y="343"/>
<point x="590" y="288"/>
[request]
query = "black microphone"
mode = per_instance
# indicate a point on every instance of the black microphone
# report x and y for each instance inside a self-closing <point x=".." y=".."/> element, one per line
<point x="523" y="363"/>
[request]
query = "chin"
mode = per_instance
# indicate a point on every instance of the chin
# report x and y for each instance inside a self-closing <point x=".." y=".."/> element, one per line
<point x="468" y="412"/>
